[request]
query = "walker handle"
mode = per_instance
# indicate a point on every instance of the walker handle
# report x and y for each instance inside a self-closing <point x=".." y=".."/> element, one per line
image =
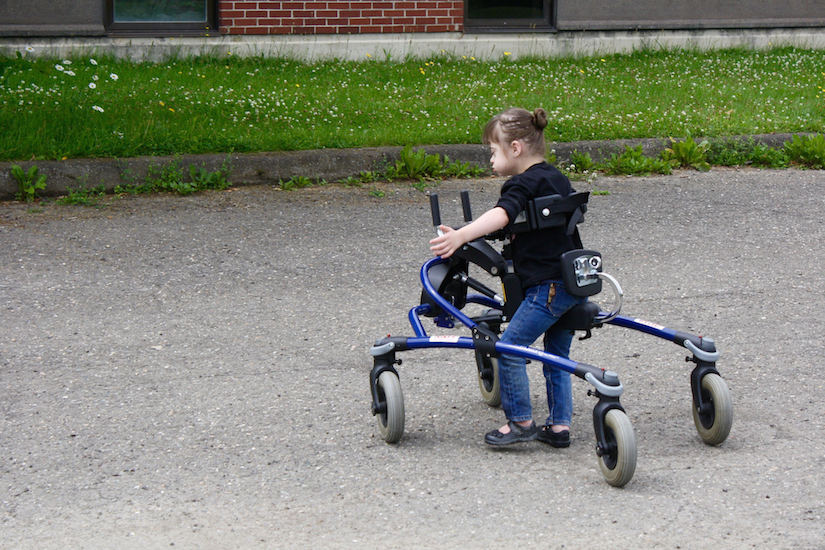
<point x="434" y="208"/>
<point x="465" y="206"/>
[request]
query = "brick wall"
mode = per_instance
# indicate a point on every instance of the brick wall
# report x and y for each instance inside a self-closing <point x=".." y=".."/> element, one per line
<point x="260" y="17"/>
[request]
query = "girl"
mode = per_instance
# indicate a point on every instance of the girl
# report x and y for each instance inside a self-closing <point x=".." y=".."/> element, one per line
<point x="516" y="140"/>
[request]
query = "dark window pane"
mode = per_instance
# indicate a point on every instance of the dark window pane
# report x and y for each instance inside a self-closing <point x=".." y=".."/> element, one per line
<point x="157" y="11"/>
<point x="515" y="9"/>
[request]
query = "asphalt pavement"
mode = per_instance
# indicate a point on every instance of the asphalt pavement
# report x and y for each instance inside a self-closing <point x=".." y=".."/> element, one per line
<point x="193" y="372"/>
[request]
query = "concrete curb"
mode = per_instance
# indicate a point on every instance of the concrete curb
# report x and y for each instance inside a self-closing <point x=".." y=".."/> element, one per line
<point x="269" y="168"/>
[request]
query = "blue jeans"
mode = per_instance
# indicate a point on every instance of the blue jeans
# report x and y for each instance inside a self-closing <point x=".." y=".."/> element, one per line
<point x="534" y="317"/>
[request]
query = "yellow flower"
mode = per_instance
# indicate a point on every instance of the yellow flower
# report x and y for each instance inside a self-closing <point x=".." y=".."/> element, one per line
<point x="161" y="103"/>
<point x="507" y="53"/>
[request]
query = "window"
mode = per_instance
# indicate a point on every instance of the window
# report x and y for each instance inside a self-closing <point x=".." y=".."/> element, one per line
<point x="517" y="15"/>
<point x="162" y="17"/>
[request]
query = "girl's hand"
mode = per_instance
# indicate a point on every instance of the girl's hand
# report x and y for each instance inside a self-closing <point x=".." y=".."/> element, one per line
<point x="447" y="243"/>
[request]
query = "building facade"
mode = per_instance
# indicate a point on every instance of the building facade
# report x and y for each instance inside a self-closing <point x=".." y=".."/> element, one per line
<point x="163" y="18"/>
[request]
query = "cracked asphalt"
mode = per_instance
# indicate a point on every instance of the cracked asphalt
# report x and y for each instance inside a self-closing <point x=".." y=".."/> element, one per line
<point x="193" y="372"/>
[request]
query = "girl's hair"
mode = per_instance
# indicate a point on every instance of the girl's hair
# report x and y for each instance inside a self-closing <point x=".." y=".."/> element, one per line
<point x="518" y="124"/>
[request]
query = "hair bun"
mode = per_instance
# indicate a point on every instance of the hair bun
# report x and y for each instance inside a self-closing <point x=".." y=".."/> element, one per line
<point x="540" y="118"/>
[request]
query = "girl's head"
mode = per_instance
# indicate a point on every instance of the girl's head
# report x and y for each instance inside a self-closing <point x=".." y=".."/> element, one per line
<point x="515" y="137"/>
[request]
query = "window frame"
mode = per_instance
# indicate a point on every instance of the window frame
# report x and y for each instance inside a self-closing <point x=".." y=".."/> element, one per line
<point x="481" y="25"/>
<point x="171" y="28"/>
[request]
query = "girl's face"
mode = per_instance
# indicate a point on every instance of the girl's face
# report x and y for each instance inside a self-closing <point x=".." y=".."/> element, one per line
<point x="504" y="158"/>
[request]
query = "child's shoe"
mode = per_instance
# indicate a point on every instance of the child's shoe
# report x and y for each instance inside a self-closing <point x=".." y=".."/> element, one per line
<point x="517" y="434"/>
<point x="554" y="439"/>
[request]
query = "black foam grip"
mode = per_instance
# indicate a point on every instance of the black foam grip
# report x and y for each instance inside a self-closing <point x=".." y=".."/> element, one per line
<point x="434" y="208"/>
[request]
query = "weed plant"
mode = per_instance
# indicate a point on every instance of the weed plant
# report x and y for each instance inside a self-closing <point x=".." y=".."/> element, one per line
<point x="29" y="183"/>
<point x="103" y="107"/>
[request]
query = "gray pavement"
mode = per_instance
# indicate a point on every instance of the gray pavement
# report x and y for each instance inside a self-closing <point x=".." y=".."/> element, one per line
<point x="193" y="372"/>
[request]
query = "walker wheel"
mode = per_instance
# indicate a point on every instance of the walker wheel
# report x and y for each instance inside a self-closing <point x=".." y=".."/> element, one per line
<point x="618" y="461"/>
<point x="488" y="379"/>
<point x="714" y="424"/>
<point x="391" y="417"/>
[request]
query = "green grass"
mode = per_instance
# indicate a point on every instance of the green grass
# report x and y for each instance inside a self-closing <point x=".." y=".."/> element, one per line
<point x="48" y="110"/>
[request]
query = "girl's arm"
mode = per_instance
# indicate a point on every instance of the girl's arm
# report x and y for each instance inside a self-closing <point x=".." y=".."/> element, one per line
<point x="452" y="239"/>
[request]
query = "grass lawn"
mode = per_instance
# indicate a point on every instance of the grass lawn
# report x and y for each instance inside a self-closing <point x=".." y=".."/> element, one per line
<point x="102" y="107"/>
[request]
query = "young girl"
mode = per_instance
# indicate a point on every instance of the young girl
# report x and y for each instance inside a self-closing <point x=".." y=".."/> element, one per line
<point x="516" y="140"/>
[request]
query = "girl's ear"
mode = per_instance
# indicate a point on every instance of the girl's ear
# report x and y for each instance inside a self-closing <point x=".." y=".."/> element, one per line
<point x="517" y="147"/>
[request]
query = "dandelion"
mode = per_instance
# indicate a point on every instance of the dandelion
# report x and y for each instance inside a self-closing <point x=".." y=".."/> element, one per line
<point x="92" y="85"/>
<point x="113" y="76"/>
<point x="507" y="53"/>
<point x="92" y="61"/>
<point x="97" y="108"/>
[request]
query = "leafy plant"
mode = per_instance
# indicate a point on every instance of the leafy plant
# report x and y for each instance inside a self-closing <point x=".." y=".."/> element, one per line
<point x="634" y="162"/>
<point x="28" y="183"/>
<point x="415" y="165"/>
<point x="169" y="177"/>
<point x="83" y="196"/>
<point x="295" y="182"/>
<point x="808" y="151"/>
<point x="581" y="163"/>
<point x="204" y="179"/>
<point x="744" y="152"/>
<point x="687" y="153"/>
<point x="458" y="169"/>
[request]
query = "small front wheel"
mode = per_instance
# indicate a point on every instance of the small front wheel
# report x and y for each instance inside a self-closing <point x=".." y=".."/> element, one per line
<point x="618" y="461"/>
<point x="391" y="416"/>
<point x="714" y="423"/>
<point x="488" y="379"/>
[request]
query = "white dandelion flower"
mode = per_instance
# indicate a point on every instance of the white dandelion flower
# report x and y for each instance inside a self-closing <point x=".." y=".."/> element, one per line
<point x="70" y="73"/>
<point x="92" y="61"/>
<point x="59" y="67"/>
<point x="113" y="76"/>
<point x="97" y="108"/>
<point x="92" y="85"/>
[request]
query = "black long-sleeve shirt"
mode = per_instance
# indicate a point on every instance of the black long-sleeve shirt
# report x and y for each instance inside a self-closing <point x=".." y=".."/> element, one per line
<point x="536" y="254"/>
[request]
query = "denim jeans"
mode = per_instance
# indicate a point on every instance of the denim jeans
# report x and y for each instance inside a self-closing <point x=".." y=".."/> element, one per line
<point x="534" y="317"/>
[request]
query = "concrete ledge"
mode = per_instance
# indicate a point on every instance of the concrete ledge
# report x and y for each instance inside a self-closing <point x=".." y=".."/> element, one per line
<point x="416" y="45"/>
<point x="269" y="168"/>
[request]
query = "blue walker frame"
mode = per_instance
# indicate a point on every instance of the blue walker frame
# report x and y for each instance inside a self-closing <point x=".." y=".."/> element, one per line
<point x="615" y="443"/>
